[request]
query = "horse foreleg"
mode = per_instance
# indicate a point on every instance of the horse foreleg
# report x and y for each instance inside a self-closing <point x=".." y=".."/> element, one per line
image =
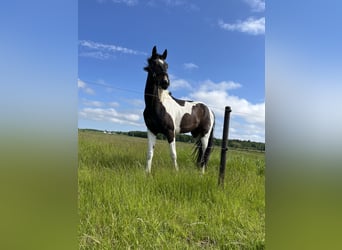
<point x="174" y="153"/>
<point x="151" y="143"/>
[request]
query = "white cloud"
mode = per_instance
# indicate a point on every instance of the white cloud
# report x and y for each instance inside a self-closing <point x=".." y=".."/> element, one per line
<point x="96" y="54"/>
<point x="80" y="84"/>
<point x="256" y="5"/>
<point x="104" y="51"/>
<point x="250" y="26"/>
<point x="174" y="3"/>
<point x="136" y="102"/>
<point x="178" y="83"/>
<point x="109" y="47"/>
<point x="209" y="85"/>
<point x="127" y="2"/>
<point x="110" y="115"/>
<point x="114" y="104"/>
<point x="246" y="131"/>
<point x="190" y="66"/>
<point x="254" y="113"/>
<point x="216" y="96"/>
<point x="83" y="86"/>
<point x="93" y="103"/>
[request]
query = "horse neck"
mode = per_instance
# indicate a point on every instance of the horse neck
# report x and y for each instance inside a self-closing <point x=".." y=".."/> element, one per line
<point x="151" y="91"/>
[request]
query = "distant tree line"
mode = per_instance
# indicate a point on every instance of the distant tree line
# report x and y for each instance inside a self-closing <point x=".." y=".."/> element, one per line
<point x="232" y="143"/>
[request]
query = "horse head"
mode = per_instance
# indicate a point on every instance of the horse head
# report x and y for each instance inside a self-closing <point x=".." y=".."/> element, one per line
<point x="157" y="67"/>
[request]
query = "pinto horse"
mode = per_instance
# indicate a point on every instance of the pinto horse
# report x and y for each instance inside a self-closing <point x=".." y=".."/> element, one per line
<point x="169" y="116"/>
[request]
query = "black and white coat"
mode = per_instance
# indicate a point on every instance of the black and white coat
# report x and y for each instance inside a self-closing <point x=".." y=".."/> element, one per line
<point x="169" y="116"/>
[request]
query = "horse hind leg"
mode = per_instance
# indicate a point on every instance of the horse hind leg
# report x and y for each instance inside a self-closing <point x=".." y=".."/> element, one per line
<point x="203" y="163"/>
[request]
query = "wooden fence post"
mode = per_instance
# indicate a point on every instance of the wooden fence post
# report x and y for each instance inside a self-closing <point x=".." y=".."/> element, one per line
<point x="224" y="147"/>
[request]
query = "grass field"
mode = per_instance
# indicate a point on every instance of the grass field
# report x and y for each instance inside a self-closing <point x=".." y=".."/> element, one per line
<point x="120" y="207"/>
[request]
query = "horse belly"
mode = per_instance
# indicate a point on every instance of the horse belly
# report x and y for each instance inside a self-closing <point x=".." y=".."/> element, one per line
<point x="188" y="123"/>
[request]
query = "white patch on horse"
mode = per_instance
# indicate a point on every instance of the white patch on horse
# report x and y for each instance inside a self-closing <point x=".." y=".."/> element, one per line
<point x="151" y="144"/>
<point x="175" y="110"/>
<point x="160" y="61"/>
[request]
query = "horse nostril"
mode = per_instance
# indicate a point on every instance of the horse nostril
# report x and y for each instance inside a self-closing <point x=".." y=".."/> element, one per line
<point x="164" y="83"/>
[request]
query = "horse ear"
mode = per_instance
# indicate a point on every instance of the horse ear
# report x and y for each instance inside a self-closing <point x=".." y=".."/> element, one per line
<point x="164" y="54"/>
<point x="154" y="51"/>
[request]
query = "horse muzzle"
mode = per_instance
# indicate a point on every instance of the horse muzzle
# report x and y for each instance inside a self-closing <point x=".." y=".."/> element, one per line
<point x="164" y="82"/>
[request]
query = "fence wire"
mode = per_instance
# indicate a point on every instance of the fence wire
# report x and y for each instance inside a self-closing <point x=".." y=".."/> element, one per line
<point x="105" y="85"/>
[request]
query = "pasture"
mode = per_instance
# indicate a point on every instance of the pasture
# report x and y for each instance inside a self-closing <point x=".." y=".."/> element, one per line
<point x="120" y="207"/>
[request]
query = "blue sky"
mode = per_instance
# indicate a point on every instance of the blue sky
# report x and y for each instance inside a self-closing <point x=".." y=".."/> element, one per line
<point x="215" y="55"/>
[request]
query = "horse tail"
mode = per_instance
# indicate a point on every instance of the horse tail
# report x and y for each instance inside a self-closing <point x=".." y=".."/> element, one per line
<point x="198" y="152"/>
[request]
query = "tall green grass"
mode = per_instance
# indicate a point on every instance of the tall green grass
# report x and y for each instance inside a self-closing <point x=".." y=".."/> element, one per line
<point x="120" y="207"/>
